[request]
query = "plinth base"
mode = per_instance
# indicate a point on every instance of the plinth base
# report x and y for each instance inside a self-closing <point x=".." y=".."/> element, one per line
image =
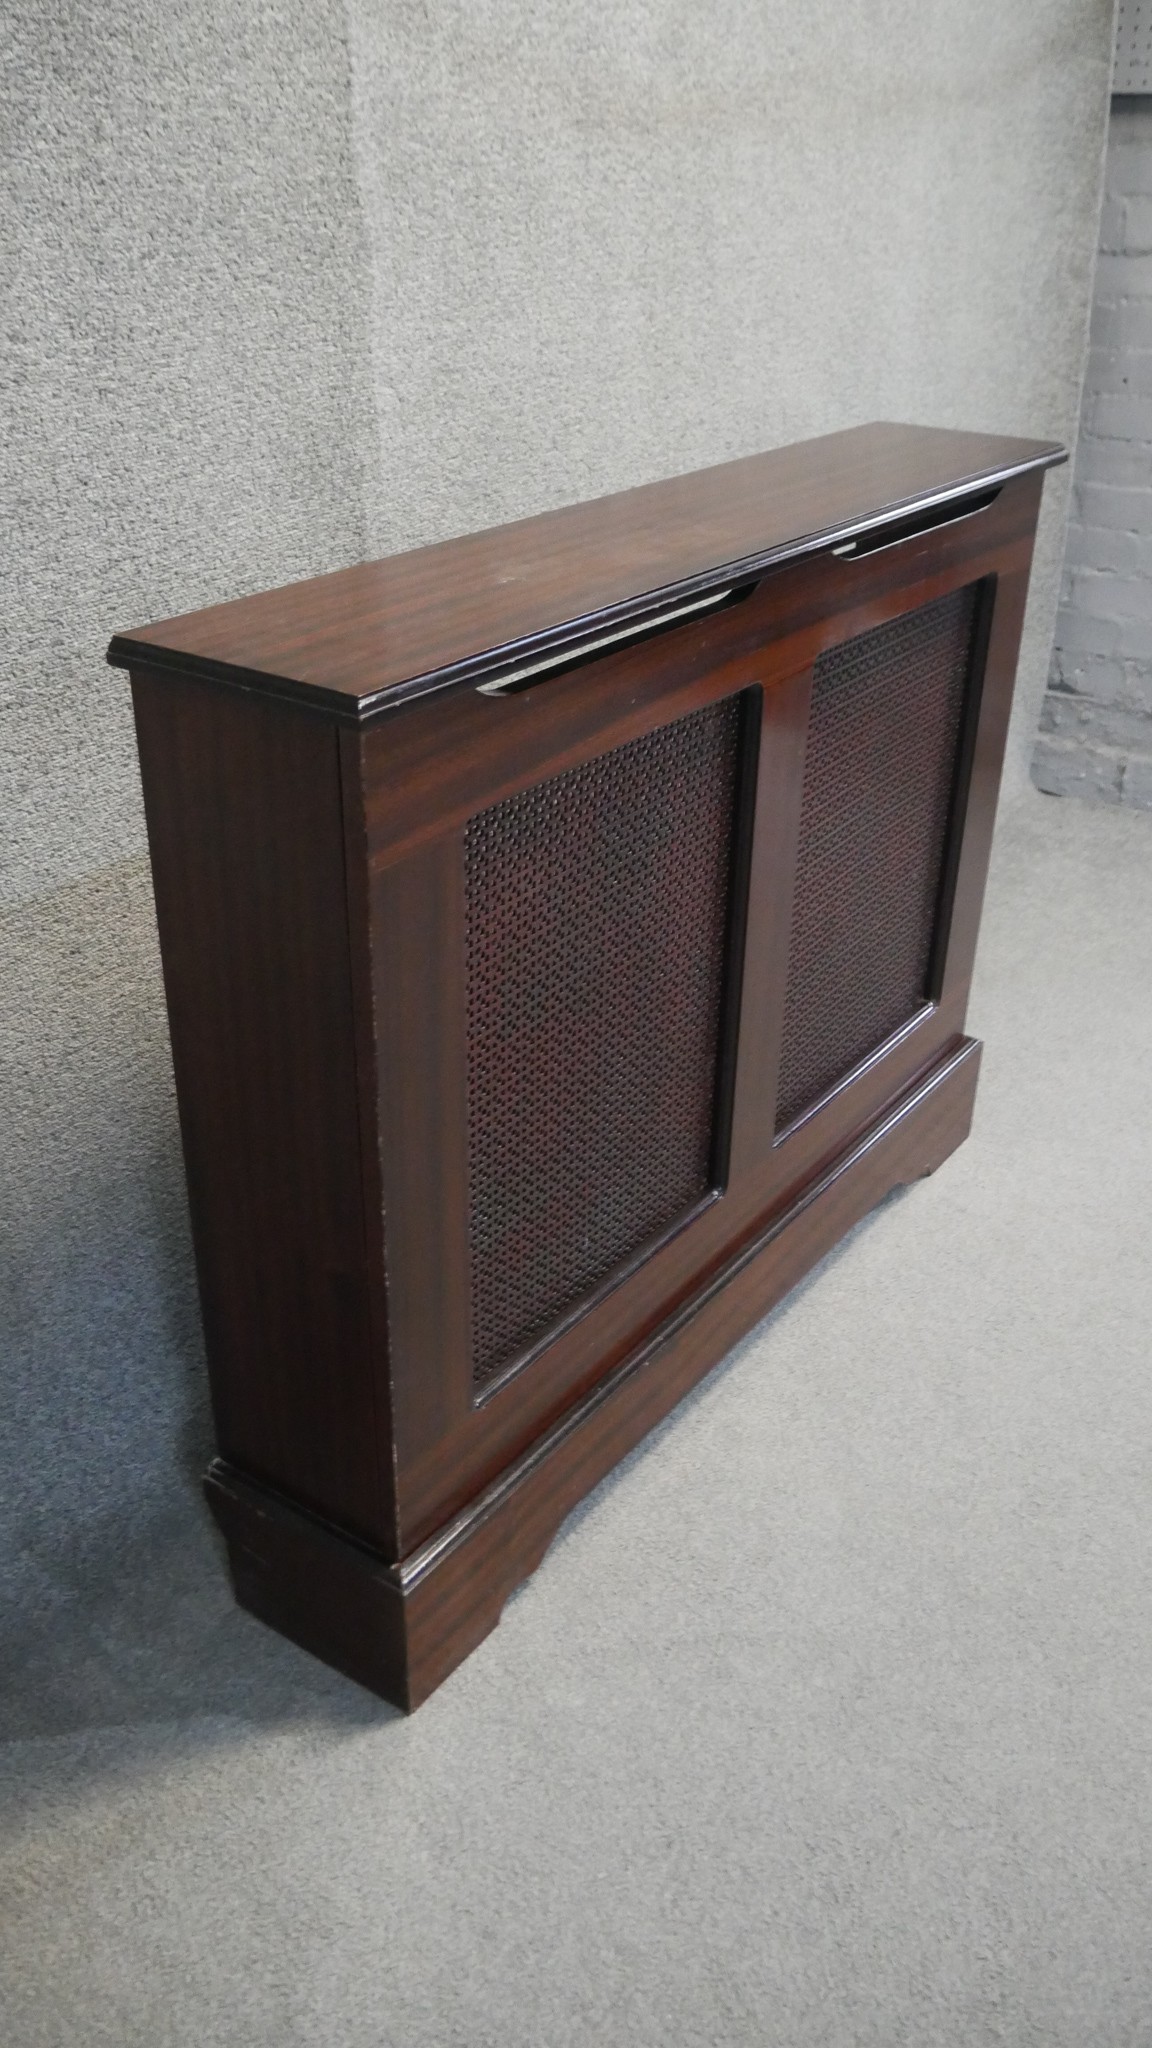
<point x="400" y="1629"/>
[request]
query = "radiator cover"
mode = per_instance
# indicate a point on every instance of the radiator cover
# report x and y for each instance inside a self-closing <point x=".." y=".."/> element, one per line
<point x="566" y="933"/>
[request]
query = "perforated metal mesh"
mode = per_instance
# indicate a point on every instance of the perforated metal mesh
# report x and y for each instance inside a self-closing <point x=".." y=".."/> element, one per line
<point x="878" y="777"/>
<point x="596" y="929"/>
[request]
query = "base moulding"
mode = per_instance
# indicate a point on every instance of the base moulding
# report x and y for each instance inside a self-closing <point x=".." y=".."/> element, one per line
<point x="399" y="1629"/>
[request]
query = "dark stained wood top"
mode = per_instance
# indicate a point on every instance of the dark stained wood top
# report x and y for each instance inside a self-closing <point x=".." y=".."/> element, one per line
<point x="362" y="640"/>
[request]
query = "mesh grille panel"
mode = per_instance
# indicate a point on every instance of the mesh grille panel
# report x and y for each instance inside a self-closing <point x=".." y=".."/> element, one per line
<point x="878" y="776"/>
<point x="596" y="926"/>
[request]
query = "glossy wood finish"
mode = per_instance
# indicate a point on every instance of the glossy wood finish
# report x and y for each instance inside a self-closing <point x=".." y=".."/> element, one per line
<point x="245" y="830"/>
<point x="364" y="639"/>
<point x="402" y="1629"/>
<point x="424" y="775"/>
<point x="307" y="822"/>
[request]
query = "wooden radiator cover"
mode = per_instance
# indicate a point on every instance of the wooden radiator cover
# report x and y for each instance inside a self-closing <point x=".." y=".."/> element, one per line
<point x="566" y="935"/>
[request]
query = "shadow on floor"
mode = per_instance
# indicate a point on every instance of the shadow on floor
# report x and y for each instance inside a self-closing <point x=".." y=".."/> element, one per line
<point x="132" y="1622"/>
<point x="704" y="1388"/>
<point x="138" y="1624"/>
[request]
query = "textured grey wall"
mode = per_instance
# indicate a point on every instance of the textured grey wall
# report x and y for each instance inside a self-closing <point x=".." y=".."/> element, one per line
<point x="280" y="294"/>
<point x="615" y="242"/>
<point x="186" y="390"/>
<point x="187" y="415"/>
<point x="1096" y="725"/>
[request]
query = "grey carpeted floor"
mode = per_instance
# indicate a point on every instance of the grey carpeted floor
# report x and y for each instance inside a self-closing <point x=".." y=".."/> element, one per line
<point x="829" y="1718"/>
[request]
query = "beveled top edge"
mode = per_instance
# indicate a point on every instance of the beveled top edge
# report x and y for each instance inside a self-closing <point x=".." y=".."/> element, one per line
<point x="358" y="642"/>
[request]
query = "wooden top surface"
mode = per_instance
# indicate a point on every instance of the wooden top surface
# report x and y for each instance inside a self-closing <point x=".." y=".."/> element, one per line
<point x="364" y="639"/>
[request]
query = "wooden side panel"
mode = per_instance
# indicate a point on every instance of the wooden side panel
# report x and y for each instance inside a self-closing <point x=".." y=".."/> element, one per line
<point x="365" y="1016"/>
<point x="245" y="826"/>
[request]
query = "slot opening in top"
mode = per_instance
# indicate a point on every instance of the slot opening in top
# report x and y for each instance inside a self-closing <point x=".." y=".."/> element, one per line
<point x="920" y="522"/>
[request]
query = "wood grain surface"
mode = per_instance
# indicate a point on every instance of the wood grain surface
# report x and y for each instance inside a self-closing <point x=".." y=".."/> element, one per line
<point x="311" y="759"/>
<point x="400" y="1630"/>
<point x="361" y="640"/>
<point x="245" y="830"/>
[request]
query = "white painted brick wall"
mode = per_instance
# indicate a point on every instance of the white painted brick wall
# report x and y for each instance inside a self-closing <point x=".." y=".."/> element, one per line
<point x="1096" y="726"/>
